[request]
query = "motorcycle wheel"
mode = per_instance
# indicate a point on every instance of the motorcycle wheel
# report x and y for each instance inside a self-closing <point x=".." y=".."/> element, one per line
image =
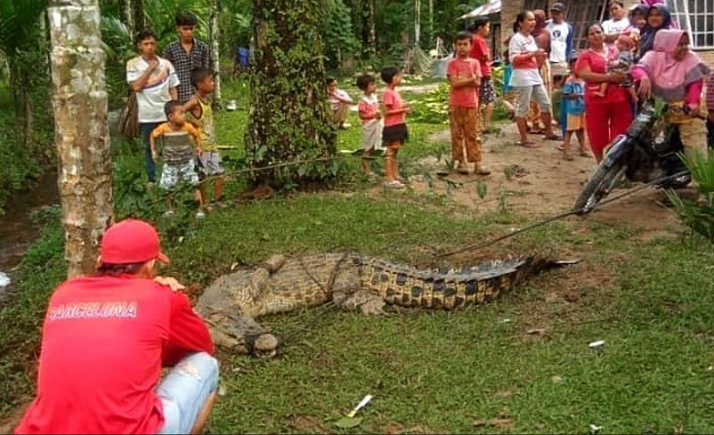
<point x="599" y="186"/>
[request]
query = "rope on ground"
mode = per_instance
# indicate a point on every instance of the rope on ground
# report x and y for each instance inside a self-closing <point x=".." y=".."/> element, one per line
<point x="477" y="246"/>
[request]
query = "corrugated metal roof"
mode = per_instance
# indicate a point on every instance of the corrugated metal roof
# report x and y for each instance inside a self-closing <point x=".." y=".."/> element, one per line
<point x="492" y="7"/>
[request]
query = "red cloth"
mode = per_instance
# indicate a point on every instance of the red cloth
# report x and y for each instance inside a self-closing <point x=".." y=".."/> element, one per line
<point x="480" y="52"/>
<point x="460" y="68"/>
<point x="598" y="64"/>
<point x="605" y="120"/>
<point x="393" y="101"/>
<point x="104" y="341"/>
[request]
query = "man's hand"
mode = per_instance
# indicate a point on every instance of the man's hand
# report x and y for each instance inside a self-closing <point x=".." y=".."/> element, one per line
<point x="153" y="64"/>
<point x="694" y="111"/>
<point x="169" y="282"/>
<point x="155" y="155"/>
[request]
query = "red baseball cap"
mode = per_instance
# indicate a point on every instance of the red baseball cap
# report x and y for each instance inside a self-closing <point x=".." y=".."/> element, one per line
<point x="131" y="241"/>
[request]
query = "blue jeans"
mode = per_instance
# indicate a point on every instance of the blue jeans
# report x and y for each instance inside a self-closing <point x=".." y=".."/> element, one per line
<point x="185" y="390"/>
<point x="146" y="128"/>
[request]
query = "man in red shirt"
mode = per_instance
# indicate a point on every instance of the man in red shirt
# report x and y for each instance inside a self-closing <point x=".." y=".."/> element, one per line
<point x="105" y="340"/>
<point x="480" y="51"/>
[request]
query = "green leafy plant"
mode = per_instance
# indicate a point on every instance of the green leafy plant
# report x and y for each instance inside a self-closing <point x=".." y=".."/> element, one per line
<point x="698" y="215"/>
<point x="433" y="108"/>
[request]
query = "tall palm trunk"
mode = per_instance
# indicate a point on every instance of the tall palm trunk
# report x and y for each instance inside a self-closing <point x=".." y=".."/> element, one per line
<point x="81" y="130"/>
<point x="417" y="22"/>
<point x="137" y="7"/>
<point x="371" y="22"/>
<point x="215" y="51"/>
<point x="290" y="121"/>
<point x="127" y="15"/>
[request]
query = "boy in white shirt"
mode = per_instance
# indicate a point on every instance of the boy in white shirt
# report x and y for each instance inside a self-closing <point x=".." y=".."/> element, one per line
<point x="154" y="80"/>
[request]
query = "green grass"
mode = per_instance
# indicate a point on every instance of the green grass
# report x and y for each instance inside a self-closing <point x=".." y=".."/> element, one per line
<point x="437" y="371"/>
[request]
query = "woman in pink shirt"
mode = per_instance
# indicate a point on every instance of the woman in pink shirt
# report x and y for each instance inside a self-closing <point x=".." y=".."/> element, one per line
<point x="674" y="73"/>
<point x="610" y="115"/>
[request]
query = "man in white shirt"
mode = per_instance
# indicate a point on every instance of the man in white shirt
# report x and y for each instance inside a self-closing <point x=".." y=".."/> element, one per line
<point x="561" y="40"/>
<point x="340" y="102"/>
<point x="154" y="80"/>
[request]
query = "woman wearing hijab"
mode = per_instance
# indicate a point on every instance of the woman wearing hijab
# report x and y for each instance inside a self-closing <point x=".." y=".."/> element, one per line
<point x="658" y="18"/>
<point x="674" y="73"/>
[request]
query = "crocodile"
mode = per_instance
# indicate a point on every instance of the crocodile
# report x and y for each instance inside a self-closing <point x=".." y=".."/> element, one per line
<point x="232" y="302"/>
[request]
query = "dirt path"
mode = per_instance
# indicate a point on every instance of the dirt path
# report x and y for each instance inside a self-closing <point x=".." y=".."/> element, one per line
<point x="543" y="184"/>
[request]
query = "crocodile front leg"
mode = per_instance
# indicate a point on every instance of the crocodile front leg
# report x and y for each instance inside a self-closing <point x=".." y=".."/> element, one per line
<point x="365" y="300"/>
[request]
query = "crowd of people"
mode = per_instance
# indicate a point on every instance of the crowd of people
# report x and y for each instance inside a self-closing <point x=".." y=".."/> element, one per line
<point x="594" y="92"/>
<point x="628" y="58"/>
<point x="173" y="93"/>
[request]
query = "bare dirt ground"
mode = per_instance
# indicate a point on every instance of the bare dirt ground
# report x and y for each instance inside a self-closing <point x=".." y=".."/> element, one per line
<point x="542" y="184"/>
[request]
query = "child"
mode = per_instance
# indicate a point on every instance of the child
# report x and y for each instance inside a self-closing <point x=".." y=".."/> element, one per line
<point x="574" y="107"/>
<point x="200" y="114"/>
<point x="340" y="102"/>
<point x="557" y="101"/>
<point x="368" y="110"/>
<point x="395" y="131"/>
<point x="154" y="80"/>
<point x="623" y="64"/>
<point x="187" y="54"/>
<point x="464" y="74"/>
<point x="509" y="94"/>
<point x="480" y="51"/>
<point x="178" y="153"/>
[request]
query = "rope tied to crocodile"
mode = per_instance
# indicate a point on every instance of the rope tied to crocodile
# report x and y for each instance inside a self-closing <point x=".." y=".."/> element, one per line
<point x="331" y="305"/>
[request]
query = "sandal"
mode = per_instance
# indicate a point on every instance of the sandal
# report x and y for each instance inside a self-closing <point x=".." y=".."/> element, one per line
<point x="528" y="144"/>
<point x="561" y="147"/>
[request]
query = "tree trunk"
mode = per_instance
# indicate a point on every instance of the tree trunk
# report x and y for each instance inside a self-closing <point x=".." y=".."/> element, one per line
<point x="137" y="7"/>
<point x="290" y="120"/>
<point x="81" y="130"/>
<point x="127" y="15"/>
<point x="417" y="22"/>
<point x="431" y="21"/>
<point x="372" y="28"/>
<point x="215" y="52"/>
<point x="24" y="111"/>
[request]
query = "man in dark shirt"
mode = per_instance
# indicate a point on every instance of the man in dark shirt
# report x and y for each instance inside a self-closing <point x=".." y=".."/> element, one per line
<point x="187" y="54"/>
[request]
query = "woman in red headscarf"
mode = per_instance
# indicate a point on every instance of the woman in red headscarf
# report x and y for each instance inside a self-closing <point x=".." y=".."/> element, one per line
<point x="674" y="73"/>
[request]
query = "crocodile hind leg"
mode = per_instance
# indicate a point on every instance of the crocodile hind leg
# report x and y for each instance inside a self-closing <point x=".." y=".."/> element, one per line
<point x="366" y="301"/>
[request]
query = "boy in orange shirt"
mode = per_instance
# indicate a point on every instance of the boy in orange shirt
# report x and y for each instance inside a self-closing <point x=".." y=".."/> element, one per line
<point x="464" y="74"/>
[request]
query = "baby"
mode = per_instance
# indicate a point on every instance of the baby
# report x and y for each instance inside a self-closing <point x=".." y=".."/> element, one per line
<point x="625" y="60"/>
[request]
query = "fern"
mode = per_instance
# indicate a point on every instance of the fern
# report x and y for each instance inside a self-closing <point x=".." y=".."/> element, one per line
<point x="698" y="215"/>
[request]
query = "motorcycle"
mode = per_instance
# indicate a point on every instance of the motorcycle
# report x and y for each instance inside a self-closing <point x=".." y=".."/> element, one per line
<point x="647" y="152"/>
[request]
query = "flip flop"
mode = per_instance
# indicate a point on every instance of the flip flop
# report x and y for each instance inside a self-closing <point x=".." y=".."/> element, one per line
<point x="561" y="147"/>
<point x="528" y="144"/>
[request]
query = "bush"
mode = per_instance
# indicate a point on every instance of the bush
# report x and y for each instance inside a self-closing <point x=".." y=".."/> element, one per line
<point x="433" y="108"/>
<point x="698" y="215"/>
